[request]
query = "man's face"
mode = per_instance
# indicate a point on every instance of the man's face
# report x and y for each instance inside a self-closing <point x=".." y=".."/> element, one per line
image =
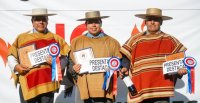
<point x="153" y="24"/>
<point x="93" y="26"/>
<point x="40" y="23"/>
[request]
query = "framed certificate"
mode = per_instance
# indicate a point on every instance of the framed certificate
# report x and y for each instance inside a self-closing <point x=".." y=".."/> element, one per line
<point x="82" y="57"/>
<point x="23" y="55"/>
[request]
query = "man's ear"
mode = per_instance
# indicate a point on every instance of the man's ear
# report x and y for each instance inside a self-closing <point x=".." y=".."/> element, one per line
<point x="161" y="21"/>
<point x="101" y="24"/>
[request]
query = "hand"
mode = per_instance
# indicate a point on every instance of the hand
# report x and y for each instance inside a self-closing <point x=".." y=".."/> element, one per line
<point x="21" y="69"/>
<point x="77" y="68"/>
<point x="123" y="71"/>
<point x="182" y="71"/>
<point x="49" y="59"/>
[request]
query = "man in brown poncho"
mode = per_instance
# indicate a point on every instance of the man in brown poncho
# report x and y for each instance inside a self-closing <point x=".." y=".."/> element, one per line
<point x="90" y="84"/>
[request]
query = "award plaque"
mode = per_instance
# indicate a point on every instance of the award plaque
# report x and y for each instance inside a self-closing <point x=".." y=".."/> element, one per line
<point x="23" y="54"/>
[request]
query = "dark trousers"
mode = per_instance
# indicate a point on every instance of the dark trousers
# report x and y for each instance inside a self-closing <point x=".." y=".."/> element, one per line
<point x="157" y="100"/>
<point x="43" y="98"/>
<point x="98" y="100"/>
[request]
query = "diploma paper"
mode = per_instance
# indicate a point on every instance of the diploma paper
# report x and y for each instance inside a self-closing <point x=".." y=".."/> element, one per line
<point x="172" y="66"/>
<point x="173" y="63"/>
<point x="82" y="57"/>
<point x="38" y="56"/>
<point x="98" y="65"/>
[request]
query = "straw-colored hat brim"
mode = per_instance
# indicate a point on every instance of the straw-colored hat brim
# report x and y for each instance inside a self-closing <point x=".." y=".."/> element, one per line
<point x="101" y="17"/>
<point x="39" y="14"/>
<point x="144" y="16"/>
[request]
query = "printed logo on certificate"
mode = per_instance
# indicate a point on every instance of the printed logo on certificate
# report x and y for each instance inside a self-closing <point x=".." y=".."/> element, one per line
<point x="82" y="57"/>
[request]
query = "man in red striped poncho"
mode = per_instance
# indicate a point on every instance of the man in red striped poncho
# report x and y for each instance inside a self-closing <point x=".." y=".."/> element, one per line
<point x="146" y="53"/>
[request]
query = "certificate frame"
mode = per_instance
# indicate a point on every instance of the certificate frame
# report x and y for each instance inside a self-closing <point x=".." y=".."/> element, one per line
<point x="23" y="54"/>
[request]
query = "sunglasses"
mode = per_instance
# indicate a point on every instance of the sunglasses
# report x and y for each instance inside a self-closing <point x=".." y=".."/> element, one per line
<point x="40" y="18"/>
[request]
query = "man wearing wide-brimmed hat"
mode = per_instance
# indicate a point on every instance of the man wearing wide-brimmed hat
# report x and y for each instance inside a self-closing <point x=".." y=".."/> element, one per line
<point x="100" y="45"/>
<point x="36" y="82"/>
<point x="146" y="52"/>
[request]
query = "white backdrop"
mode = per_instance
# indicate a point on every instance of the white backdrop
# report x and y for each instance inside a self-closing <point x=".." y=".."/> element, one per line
<point x="184" y="26"/>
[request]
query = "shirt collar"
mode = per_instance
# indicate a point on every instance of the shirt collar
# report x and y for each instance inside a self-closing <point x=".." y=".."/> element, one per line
<point x="92" y="36"/>
<point x="35" y="31"/>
